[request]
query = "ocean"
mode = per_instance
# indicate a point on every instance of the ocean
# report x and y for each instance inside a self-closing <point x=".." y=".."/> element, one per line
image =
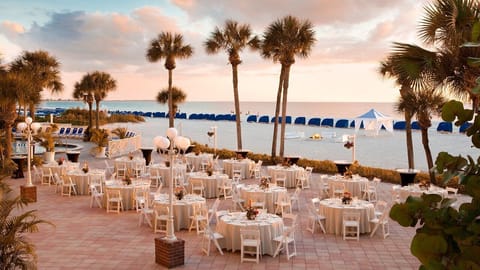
<point x="386" y="150"/>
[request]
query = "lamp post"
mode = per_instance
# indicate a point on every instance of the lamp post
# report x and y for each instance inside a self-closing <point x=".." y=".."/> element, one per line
<point x="210" y="133"/>
<point x="29" y="127"/>
<point x="181" y="143"/>
<point x="352" y="139"/>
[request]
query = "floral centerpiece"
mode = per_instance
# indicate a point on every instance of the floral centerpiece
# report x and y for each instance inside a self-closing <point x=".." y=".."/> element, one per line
<point x="128" y="177"/>
<point x="347" y="197"/>
<point x="85" y="167"/>
<point x="348" y="173"/>
<point x="130" y="155"/>
<point x="264" y="183"/>
<point x="60" y="161"/>
<point x="179" y="192"/>
<point x="424" y="185"/>
<point x="348" y="144"/>
<point x="209" y="169"/>
<point x="252" y="213"/>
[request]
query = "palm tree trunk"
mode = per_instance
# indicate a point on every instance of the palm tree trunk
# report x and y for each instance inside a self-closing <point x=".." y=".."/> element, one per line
<point x="284" y="110"/>
<point x="32" y="110"/>
<point x="97" y="113"/>
<point x="170" y="100"/>
<point x="277" y="113"/>
<point x="408" y="135"/>
<point x="428" y="155"/>
<point x="8" y="115"/>
<point x="90" y="116"/>
<point x="237" y="106"/>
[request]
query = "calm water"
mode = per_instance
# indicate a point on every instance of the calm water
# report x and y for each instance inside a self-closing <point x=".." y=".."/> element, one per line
<point x="386" y="150"/>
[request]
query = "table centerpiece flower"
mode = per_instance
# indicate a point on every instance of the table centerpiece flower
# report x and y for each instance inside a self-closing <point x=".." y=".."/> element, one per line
<point x="424" y="185"/>
<point x="60" y="161"/>
<point x="347" y="197"/>
<point x="179" y="192"/>
<point x="85" y="167"/>
<point x="348" y="173"/>
<point x="209" y="169"/>
<point x="264" y="183"/>
<point x="128" y="177"/>
<point x="251" y="213"/>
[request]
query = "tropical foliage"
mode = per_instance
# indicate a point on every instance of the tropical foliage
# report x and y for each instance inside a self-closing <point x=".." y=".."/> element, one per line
<point x="169" y="46"/>
<point x="94" y="87"/>
<point x="15" y="249"/>
<point x="232" y="39"/>
<point x="100" y="137"/>
<point x="178" y="96"/>
<point x="282" y="41"/>
<point x="42" y="70"/>
<point x="46" y="137"/>
<point x="120" y="132"/>
<point x="447" y="237"/>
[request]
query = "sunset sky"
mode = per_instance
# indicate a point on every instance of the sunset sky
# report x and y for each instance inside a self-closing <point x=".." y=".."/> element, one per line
<point x="353" y="36"/>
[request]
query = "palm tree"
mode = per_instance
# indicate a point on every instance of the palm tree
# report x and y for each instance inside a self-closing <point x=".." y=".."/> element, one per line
<point x="11" y="85"/>
<point x="447" y="25"/>
<point x="169" y="46"/>
<point x="84" y="90"/>
<point x="44" y="73"/>
<point x="423" y="103"/>
<point x="233" y="38"/>
<point x="178" y="96"/>
<point x="102" y="84"/>
<point x="15" y="251"/>
<point x="282" y="41"/>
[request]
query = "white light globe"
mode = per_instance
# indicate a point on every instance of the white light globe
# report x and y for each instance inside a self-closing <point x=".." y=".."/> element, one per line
<point x="161" y="142"/>
<point x="21" y="126"/>
<point x="35" y="127"/>
<point x="172" y="133"/>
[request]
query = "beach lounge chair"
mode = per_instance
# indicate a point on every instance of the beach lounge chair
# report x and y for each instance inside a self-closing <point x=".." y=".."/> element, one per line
<point x="74" y="133"/>
<point x="80" y="133"/>
<point x="61" y="131"/>
<point x="67" y="131"/>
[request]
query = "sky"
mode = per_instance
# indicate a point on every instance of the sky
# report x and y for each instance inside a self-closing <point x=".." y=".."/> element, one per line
<point x="112" y="36"/>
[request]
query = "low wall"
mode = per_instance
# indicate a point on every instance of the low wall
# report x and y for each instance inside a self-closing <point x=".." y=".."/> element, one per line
<point x="122" y="147"/>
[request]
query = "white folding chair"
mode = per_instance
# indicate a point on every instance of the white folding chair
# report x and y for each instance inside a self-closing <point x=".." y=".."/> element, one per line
<point x="280" y="178"/>
<point x="351" y="225"/>
<point x="207" y="239"/>
<point x="161" y="215"/>
<point x="284" y="241"/>
<point x="296" y="197"/>
<point x="315" y="218"/>
<point x="250" y="244"/>
<point x="95" y="196"/>
<point x="225" y="188"/>
<point x="381" y="220"/>
<point x="236" y="200"/>
<point x="199" y="217"/>
<point x="196" y="186"/>
<point x="283" y="203"/>
<point x="68" y="187"/>
<point x="114" y="200"/>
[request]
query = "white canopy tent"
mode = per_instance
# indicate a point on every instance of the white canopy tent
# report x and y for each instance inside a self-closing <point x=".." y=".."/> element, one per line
<point x="373" y="121"/>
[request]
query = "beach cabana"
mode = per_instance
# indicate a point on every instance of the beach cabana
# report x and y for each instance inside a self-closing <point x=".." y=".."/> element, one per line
<point x="445" y="127"/>
<point x="252" y="118"/>
<point x="327" y="122"/>
<point x="263" y="119"/>
<point x="300" y="120"/>
<point x="341" y="123"/>
<point x="464" y="126"/>
<point x="314" y="122"/>
<point x="373" y="121"/>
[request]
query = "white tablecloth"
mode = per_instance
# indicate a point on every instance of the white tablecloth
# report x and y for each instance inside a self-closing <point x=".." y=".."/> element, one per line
<point x="416" y="191"/>
<point x="243" y="164"/>
<point x="290" y="172"/>
<point x="182" y="209"/>
<point x="210" y="183"/>
<point x="270" y="227"/>
<point x="196" y="160"/>
<point x="247" y="192"/>
<point x="333" y="209"/>
<point x="353" y="185"/>
<point x="164" y="172"/>
<point x="81" y="179"/>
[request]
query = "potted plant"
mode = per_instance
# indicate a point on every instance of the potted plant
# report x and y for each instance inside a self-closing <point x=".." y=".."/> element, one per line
<point x="121" y="132"/>
<point x="101" y="138"/>
<point x="47" y="141"/>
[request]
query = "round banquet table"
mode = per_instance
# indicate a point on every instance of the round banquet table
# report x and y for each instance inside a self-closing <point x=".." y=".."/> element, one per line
<point x="125" y="190"/>
<point x="342" y="166"/>
<point x="164" y="172"/>
<point x="196" y="160"/>
<point x="244" y="167"/>
<point x="247" y="192"/>
<point x="333" y="209"/>
<point x="210" y="183"/>
<point x="353" y="185"/>
<point x="80" y="179"/>
<point x="229" y="226"/>
<point x="182" y="209"/>
<point x="290" y="172"/>
<point x="417" y="191"/>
